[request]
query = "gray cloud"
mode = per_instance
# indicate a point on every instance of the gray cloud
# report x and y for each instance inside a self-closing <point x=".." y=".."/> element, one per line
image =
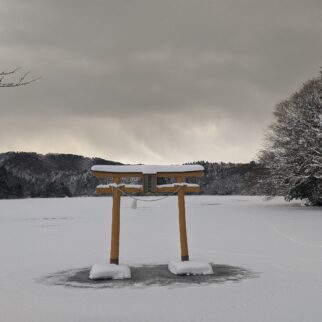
<point x="153" y="81"/>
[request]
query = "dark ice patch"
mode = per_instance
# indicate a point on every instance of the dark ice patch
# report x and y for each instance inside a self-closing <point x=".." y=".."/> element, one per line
<point x="149" y="275"/>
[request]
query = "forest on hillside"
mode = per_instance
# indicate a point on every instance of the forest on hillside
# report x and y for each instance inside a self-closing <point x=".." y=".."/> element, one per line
<point x="30" y="175"/>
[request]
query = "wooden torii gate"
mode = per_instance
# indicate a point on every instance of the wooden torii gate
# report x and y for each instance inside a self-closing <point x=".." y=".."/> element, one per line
<point x="149" y="175"/>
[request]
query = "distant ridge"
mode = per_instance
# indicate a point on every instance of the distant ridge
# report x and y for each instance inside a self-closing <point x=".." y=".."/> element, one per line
<point x="30" y="175"/>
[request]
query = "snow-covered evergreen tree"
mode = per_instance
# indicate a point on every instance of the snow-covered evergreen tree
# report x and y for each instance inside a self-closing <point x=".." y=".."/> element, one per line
<point x="293" y="153"/>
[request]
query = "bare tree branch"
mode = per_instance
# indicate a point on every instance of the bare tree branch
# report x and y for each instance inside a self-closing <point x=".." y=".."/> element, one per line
<point x="21" y="81"/>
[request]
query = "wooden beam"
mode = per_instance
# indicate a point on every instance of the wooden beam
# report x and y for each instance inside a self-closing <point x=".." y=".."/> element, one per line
<point x="109" y="190"/>
<point x="115" y="235"/>
<point x="179" y="174"/>
<point x="182" y="223"/>
<point x="160" y="189"/>
<point x="102" y="174"/>
<point x="175" y="188"/>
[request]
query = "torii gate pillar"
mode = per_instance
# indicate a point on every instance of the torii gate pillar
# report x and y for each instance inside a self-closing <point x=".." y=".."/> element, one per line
<point x="182" y="224"/>
<point x="115" y="234"/>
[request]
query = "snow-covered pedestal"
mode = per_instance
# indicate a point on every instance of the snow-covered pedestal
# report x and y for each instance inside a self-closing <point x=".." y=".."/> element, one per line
<point x="109" y="271"/>
<point x="190" y="268"/>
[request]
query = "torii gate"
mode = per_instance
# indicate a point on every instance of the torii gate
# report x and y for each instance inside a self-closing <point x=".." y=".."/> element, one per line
<point x="149" y="175"/>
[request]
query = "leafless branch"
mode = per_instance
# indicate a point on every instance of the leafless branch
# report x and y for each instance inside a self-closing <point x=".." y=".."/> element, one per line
<point x="22" y="81"/>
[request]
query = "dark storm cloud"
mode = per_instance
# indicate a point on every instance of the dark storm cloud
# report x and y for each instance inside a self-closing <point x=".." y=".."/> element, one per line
<point x="161" y="81"/>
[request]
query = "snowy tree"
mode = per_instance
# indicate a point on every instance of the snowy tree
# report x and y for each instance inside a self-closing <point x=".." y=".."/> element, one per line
<point x="7" y="81"/>
<point x="293" y="152"/>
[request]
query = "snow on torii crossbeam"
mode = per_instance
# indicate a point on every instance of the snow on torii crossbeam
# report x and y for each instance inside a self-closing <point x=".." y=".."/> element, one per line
<point x="149" y="175"/>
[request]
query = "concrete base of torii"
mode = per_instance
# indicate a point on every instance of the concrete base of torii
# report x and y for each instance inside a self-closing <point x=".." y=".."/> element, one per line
<point x="109" y="271"/>
<point x="190" y="268"/>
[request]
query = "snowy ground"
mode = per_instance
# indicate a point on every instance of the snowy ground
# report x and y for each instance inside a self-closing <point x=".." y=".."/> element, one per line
<point x="280" y="243"/>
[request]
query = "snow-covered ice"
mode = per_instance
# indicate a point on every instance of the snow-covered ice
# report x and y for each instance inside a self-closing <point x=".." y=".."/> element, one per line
<point x="281" y="242"/>
<point x="109" y="271"/>
<point x="190" y="268"/>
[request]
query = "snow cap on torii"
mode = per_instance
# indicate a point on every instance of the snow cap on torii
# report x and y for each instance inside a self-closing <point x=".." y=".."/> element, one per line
<point x="149" y="169"/>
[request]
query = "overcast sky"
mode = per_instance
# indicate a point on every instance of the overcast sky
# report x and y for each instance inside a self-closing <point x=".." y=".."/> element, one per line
<point x="149" y="81"/>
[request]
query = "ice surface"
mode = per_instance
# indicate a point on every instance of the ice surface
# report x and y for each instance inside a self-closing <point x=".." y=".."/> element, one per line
<point x="147" y="169"/>
<point x="109" y="271"/>
<point x="190" y="268"/>
<point x="281" y="241"/>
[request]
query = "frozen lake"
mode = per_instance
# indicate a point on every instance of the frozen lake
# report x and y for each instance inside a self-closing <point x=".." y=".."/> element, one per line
<point x="280" y="244"/>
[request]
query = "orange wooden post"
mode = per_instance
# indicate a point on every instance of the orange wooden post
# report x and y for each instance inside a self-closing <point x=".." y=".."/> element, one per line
<point x="115" y="236"/>
<point x="182" y="223"/>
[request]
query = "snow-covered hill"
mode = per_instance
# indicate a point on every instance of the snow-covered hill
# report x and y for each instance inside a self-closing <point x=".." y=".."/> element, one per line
<point x="26" y="174"/>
